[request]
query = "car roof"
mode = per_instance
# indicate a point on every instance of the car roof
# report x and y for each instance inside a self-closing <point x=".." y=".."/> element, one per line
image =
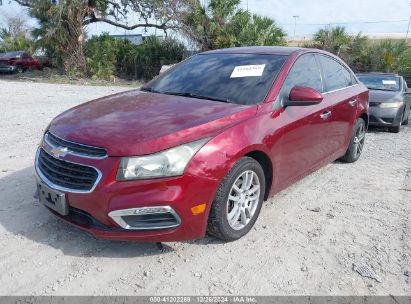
<point x="274" y="50"/>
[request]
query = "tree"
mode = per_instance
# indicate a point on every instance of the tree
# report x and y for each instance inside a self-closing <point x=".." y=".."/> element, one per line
<point x="335" y="40"/>
<point x="16" y="25"/>
<point x="391" y="56"/>
<point x="222" y="23"/>
<point x="16" y="35"/>
<point x="160" y="14"/>
<point x="62" y="24"/>
<point x="361" y="54"/>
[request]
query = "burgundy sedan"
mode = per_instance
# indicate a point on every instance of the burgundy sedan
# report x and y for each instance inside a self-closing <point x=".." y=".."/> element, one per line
<point x="200" y="148"/>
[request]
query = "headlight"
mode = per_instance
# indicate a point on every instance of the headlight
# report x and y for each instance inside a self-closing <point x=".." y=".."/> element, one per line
<point x="171" y="162"/>
<point x="390" y="105"/>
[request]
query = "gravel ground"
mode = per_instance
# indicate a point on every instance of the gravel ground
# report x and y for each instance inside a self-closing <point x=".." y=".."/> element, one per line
<point x="307" y="241"/>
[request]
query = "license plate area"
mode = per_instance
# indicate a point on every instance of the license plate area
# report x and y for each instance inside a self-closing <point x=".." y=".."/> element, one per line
<point x="53" y="199"/>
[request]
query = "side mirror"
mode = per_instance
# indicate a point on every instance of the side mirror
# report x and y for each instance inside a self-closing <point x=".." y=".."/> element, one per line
<point x="303" y="96"/>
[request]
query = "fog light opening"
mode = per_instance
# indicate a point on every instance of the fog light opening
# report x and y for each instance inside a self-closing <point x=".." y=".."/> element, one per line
<point x="146" y="218"/>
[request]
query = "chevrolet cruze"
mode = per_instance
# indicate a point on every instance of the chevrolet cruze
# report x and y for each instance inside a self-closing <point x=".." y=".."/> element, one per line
<point x="199" y="148"/>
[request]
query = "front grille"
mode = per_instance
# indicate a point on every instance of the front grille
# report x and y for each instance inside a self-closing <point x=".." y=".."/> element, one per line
<point x="65" y="174"/>
<point x="75" y="148"/>
<point x="387" y="120"/>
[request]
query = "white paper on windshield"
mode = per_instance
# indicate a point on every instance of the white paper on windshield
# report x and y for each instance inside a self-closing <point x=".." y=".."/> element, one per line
<point x="255" y="70"/>
<point x="389" y="82"/>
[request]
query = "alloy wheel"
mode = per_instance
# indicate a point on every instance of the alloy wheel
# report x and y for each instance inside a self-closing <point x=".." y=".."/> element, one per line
<point x="243" y="200"/>
<point x="359" y="140"/>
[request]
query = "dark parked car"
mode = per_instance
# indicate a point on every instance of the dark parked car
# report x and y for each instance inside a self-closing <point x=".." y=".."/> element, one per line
<point x="201" y="146"/>
<point x="17" y="62"/>
<point x="390" y="100"/>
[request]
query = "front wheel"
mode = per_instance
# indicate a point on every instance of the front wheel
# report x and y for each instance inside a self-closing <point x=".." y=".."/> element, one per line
<point x="19" y="69"/>
<point x="356" y="143"/>
<point x="397" y="129"/>
<point x="238" y="201"/>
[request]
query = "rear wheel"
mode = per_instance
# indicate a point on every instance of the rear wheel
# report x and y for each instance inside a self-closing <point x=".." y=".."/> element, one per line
<point x="238" y="201"/>
<point x="357" y="142"/>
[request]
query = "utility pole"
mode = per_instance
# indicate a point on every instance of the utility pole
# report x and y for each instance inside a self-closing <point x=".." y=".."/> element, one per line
<point x="295" y="24"/>
<point x="408" y="27"/>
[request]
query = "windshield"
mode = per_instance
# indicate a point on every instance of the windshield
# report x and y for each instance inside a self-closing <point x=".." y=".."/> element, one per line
<point x="381" y="82"/>
<point x="235" y="78"/>
<point x="10" y="55"/>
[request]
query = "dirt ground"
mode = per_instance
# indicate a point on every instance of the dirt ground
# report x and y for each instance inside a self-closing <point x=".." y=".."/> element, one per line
<point x="305" y="242"/>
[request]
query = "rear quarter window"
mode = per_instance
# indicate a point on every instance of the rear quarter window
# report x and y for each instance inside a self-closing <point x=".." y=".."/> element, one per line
<point x="336" y="76"/>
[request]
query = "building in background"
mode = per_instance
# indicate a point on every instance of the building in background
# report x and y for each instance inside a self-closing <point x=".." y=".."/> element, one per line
<point x="136" y="39"/>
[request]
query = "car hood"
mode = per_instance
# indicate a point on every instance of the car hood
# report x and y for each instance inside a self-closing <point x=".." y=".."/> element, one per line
<point x="138" y="123"/>
<point x="384" y="96"/>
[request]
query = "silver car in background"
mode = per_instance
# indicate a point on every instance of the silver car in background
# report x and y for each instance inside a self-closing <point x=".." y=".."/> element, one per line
<point x="390" y="100"/>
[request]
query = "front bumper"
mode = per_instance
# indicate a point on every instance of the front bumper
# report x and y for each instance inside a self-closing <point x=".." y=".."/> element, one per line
<point x="90" y="211"/>
<point x="8" y="69"/>
<point x="385" y="117"/>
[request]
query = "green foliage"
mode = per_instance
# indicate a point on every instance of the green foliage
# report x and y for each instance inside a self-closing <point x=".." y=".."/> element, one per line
<point x="361" y="54"/>
<point x="60" y="32"/>
<point x="391" y="56"/>
<point x="107" y="57"/>
<point x="223" y="24"/>
<point x="335" y="40"/>
<point x="19" y="43"/>
<point x="101" y="55"/>
<point x="152" y="54"/>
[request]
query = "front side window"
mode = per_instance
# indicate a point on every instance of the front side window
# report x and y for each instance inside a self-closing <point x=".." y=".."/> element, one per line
<point x="235" y="78"/>
<point x="305" y="72"/>
<point x="336" y="76"/>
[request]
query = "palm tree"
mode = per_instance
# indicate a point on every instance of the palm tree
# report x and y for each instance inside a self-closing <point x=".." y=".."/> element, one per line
<point x="391" y="56"/>
<point x="335" y="40"/>
<point x="222" y="24"/>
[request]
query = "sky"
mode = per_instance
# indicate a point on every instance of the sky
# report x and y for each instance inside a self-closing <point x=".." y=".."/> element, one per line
<point x="373" y="17"/>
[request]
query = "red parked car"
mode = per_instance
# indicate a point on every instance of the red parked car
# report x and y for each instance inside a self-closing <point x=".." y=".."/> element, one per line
<point x="201" y="147"/>
<point x="18" y="62"/>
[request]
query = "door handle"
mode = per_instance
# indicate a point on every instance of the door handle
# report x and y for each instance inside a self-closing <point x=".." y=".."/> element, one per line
<point x="326" y="115"/>
<point x="353" y="102"/>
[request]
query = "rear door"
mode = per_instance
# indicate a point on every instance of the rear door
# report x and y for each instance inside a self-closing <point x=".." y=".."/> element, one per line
<point x="343" y="98"/>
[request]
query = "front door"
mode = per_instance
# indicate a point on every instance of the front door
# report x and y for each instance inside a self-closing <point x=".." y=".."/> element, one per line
<point x="303" y="130"/>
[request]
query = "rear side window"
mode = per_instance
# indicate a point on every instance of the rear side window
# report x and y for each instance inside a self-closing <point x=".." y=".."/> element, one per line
<point x="335" y="74"/>
<point x="305" y="72"/>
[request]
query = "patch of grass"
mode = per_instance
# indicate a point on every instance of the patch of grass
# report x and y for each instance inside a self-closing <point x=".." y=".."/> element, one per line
<point x="53" y="76"/>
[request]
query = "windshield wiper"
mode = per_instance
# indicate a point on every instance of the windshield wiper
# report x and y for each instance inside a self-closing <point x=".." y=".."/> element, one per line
<point x="192" y="95"/>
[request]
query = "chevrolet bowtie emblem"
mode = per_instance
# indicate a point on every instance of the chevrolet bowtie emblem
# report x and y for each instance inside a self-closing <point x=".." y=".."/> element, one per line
<point x="60" y="152"/>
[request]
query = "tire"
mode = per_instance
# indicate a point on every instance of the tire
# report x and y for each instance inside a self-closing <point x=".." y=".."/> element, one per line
<point x="397" y="129"/>
<point x="356" y="143"/>
<point x="247" y="209"/>
<point x="19" y="69"/>
<point x="405" y="122"/>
